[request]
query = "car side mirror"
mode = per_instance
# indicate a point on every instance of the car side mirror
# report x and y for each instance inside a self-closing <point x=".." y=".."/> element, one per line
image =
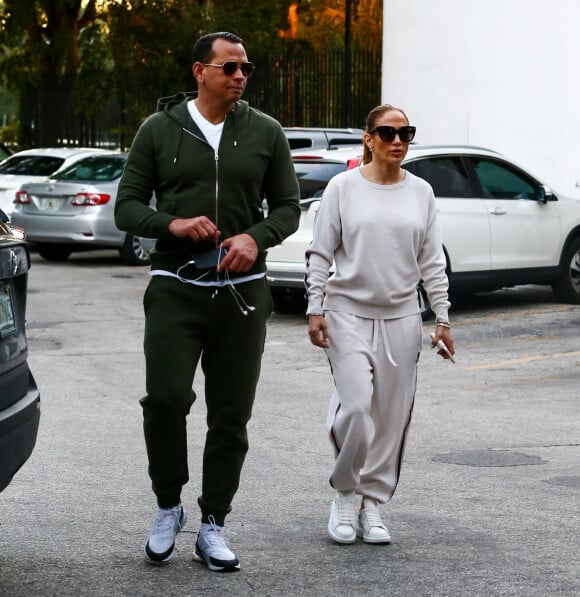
<point x="544" y="193"/>
<point x="306" y="203"/>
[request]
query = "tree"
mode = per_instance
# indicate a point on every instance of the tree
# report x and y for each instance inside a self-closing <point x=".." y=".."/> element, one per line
<point x="150" y="46"/>
<point x="322" y="23"/>
<point x="39" y="42"/>
<point x="71" y="57"/>
<point x="257" y="22"/>
<point x="86" y="50"/>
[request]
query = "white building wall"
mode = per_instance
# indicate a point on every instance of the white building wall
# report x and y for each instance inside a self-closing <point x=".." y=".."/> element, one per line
<point x="503" y="74"/>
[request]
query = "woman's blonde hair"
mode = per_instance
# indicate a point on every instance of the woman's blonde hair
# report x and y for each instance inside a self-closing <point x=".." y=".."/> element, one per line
<point x="371" y="121"/>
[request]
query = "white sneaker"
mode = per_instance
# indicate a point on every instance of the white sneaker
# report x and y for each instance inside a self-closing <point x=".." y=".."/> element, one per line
<point x="371" y="527"/>
<point x="341" y="525"/>
<point x="160" y="546"/>
<point x="212" y="549"/>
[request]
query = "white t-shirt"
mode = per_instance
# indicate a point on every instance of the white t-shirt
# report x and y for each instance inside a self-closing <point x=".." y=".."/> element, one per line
<point x="212" y="132"/>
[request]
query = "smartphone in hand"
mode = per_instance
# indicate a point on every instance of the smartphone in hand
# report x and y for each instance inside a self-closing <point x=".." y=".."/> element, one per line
<point x="441" y="346"/>
<point x="209" y="259"/>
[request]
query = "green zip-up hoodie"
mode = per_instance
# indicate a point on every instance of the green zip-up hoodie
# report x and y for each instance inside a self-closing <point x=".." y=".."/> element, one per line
<point x="171" y="158"/>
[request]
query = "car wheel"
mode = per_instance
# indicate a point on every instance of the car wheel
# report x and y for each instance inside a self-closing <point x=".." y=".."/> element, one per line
<point x="53" y="252"/>
<point x="424" y="304"/>
<point x="133" y="251"/>
<point x="288" y="301"/>
<point x="567" y="289"/>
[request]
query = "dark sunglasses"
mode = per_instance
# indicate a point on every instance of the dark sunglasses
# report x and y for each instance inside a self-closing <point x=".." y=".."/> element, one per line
<point x="231" y="67"/>
<point x="388" y="133"/>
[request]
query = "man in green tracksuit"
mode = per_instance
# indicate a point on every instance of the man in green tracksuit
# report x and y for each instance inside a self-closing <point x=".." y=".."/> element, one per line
<point x="210" y="160"/>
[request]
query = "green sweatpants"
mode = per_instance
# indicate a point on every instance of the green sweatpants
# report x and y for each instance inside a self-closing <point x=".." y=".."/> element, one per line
<point x="184" y="323"/>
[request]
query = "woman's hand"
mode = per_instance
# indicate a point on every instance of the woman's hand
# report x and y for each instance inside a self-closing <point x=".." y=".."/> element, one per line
<point x="443" y="334"/>
<point x="318" y="331"/>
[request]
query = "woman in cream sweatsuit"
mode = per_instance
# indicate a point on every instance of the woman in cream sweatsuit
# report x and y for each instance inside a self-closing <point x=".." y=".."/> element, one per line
<point x="378" y="224"/>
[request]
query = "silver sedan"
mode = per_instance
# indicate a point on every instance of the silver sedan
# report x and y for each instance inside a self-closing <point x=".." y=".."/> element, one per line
<point x="34" y="165"/>
<point x="73" y="211"/>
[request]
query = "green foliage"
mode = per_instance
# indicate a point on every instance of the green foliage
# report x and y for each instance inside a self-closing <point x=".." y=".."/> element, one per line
<point x="9" y="134"/>
<point x="79" y="56"/>
<point x="322" y="23"/>
<point x="8" y="105"/>
<point x="257" y="22"/>
<point x="145" y="40"/>
<point x="95" y="79"/>
<point x="9" y="123"/>
<point x="44" y="30"/>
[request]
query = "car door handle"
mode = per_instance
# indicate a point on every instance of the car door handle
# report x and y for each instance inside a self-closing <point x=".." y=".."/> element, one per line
<point x="498" y="211"/>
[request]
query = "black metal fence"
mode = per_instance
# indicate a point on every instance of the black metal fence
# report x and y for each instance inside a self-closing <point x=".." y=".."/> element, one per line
<point x="319" y="89"/>
<point x="327" y="89"/>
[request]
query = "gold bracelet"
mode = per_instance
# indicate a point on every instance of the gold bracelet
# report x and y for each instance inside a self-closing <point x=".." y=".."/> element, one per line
<point x="443" y="324"/>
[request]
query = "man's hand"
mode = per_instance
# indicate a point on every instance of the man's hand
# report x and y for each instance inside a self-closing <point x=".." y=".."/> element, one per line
<point x="318" y="331"/>
<point x="241" y="255"/>
<point x="200" y="228"/>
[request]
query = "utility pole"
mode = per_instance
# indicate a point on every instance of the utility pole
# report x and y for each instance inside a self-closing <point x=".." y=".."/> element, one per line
<point x="346" y="91"/>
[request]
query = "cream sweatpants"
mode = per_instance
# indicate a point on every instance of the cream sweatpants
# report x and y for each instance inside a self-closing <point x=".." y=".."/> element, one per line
<point x="374" y="366"/>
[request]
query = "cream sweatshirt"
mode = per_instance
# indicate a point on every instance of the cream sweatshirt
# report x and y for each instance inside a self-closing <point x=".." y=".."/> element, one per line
<point x="382" y="239"/>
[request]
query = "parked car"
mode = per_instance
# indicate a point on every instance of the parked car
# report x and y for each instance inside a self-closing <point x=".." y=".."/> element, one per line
<point x="321" y="138"/>
<point x="501" y="225"/>
<point x="33" y="165"/>
<point x="73" y="211"/>
<point x="19" y="395"/>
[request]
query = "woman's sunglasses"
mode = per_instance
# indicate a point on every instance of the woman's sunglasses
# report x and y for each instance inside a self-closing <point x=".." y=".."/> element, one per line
<point x="388" y="133"/>
<point x="231" y="67"/>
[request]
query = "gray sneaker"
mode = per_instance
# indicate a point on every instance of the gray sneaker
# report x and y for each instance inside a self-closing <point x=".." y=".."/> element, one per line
<point x="160" y="546"/>
<point x="211" y="548"/>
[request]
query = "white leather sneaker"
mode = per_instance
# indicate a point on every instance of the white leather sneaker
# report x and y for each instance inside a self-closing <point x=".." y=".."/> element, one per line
<point x="371" y="527"/>
<point x="341" y="525"/>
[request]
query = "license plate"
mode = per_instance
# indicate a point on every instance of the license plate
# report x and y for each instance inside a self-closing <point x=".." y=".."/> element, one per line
<point x="7" y="322"/>
<point x="50" y="203"/>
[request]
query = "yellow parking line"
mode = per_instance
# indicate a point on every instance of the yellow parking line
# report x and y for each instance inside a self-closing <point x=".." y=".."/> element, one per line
<point x="511" y="382"/>
<point x="521" y="360"/>
<point x="512" y="314"/>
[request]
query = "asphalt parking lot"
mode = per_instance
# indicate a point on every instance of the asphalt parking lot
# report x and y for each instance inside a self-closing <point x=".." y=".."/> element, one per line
<point x="488" y="502"/>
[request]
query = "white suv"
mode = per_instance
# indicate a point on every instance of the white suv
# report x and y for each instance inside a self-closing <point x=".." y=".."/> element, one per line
<point x="501" y="226"/>
<point x="321" y="138"/>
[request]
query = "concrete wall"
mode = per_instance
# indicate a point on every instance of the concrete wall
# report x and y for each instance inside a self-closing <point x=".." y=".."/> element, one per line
<point x="503" y="74"/>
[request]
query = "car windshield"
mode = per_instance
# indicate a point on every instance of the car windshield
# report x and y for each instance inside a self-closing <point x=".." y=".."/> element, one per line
<point x="314" y="176"/>
<point x="103" y="168"/>
<point x="31" y="165"/>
